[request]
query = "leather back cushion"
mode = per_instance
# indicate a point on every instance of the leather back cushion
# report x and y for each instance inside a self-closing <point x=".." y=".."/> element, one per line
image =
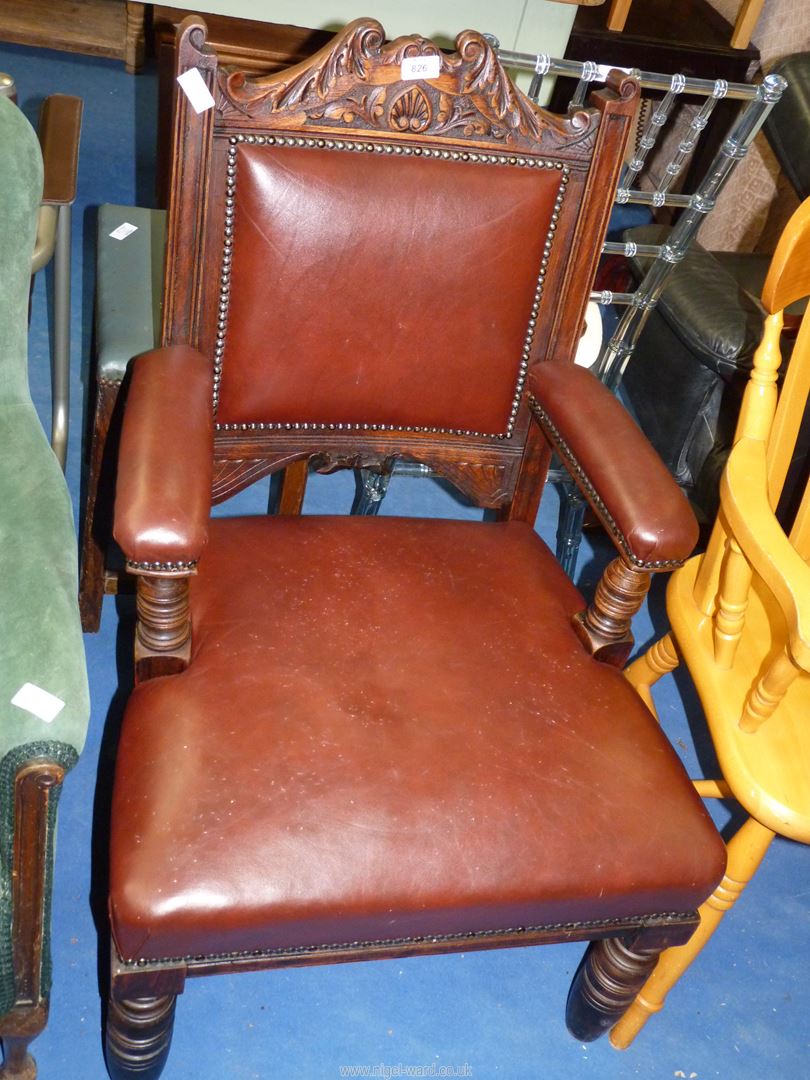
<point x="788" y="125"/>
<point x="373" y="288"/>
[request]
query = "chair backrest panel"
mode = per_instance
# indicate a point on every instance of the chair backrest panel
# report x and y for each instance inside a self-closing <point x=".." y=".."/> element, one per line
<point x="373" y="262"/>
<point x="401" y="290"/>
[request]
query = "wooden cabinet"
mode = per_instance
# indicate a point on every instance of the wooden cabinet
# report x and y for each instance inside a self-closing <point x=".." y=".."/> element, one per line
<point x="113" y="28"/>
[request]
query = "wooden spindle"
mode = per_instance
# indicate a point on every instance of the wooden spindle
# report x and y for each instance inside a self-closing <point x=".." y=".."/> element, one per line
<point x="767" y="693"/>
<point x="658" y="660"/>
<point x="732" y="603"/>
<point x="163" y="634"/>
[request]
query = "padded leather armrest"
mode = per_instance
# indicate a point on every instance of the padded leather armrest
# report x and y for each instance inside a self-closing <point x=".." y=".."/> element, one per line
<point x="614" y="466"/>
<point x="60" y="125"/>
<point x="163" y="495"/>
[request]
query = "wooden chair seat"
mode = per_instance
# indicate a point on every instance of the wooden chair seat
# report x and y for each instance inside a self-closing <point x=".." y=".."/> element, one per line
<point x="377" y="786"/>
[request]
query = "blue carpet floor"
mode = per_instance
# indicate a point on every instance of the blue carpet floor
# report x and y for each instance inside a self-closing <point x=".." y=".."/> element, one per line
<point x="740" y="1014"/>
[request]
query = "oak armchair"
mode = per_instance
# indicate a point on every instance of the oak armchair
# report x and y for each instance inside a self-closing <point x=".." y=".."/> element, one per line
<point x="365" y="737"/>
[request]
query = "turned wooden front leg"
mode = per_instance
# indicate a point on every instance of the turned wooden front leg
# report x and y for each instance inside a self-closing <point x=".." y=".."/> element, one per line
<point x="139" y="1036"/>
<point x="163" y="632"/>
<point x="605" y="985"/>
<point x="605" y="626"/>
<point x="140" y="1018"/>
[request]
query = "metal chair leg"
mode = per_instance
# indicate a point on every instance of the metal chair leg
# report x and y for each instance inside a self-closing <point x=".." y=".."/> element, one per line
<point x="569" y="528"/>
<point x="61" y="337"/>
<point x="371" y="490"/>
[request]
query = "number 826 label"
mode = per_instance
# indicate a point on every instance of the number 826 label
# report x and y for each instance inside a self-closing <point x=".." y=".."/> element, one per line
<point x="421" y="67"/>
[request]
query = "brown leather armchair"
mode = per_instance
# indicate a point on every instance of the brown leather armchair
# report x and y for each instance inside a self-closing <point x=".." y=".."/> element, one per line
<point x="367" y="737"/>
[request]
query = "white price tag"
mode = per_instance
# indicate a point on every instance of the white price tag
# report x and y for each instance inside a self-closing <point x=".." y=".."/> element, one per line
<point x="124" y="230"/>
<point x="196" y="91"/>
<point x="590" y="341"/>
<point x="421" y="67"/>
<point x="39" y="702"/>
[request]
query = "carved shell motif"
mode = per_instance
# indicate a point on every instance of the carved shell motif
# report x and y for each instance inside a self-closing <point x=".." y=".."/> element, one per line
<point x="411" y="111"/>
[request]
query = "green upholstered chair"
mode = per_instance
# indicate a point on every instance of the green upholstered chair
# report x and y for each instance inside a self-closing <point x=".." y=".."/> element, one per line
<point x="44" y="702"/>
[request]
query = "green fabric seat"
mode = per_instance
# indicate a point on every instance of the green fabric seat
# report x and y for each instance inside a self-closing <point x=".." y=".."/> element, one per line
<point x="40" y="635"/>
<point x="129" y="287"/>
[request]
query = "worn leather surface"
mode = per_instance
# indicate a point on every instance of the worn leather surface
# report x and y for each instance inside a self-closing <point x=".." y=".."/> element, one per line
<point x="652" y="516"/>
<point x="788" y="125"/>
<point x="388" y="728"/>
<point x="60" y="124"/>
<point x="165" y="463"/>
<point x="706" y="307"/>
<point x="396" y="290"/>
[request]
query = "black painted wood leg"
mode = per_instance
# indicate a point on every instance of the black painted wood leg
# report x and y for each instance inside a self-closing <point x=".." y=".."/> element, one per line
<point x="605" y="985"/>
<point x="17" y="1062"/>
<point x="139" y="1035"/>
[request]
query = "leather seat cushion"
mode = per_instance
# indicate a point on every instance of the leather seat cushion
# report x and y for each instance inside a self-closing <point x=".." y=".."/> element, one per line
<point x="388" y="729"/>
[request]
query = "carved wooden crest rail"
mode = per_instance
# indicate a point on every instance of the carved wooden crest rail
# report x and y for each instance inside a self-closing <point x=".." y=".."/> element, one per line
<point x="474" y="98"/>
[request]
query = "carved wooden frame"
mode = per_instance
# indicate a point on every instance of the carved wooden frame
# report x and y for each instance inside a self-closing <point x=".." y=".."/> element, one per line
<point x="472" y="109"/>
<point x="621" y="955"/>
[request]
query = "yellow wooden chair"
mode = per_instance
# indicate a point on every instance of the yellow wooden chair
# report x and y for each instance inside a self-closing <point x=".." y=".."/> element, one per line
<point x="740" y="622"/>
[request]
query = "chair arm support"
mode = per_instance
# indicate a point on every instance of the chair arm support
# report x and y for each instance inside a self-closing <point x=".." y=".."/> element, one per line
<point x="610" y="460"/>
<point x="744" y="503"/>
<point x="60" y="125"/>
<point x="165" y="469"/>
<point x="46" y="237"/>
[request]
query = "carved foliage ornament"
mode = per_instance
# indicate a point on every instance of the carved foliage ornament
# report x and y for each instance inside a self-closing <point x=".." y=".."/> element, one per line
<point x="472" y="96"/>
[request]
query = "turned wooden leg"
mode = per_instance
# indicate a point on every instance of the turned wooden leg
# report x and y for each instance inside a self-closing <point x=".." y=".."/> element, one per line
<point x="163" y="628"/>
<point x="745" y="852"/>
<point x="17" y="1062"/>
<point x="607" y="981"/>
<point x="658" y="660"/>
<point x="604" y="628"/>
<point x="139" y="1036"/>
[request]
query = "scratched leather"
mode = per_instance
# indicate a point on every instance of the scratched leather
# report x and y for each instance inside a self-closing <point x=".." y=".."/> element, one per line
<point x="648" y="507"/>
<point x="373" y="289"/>
<point x="388" y="729"/>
